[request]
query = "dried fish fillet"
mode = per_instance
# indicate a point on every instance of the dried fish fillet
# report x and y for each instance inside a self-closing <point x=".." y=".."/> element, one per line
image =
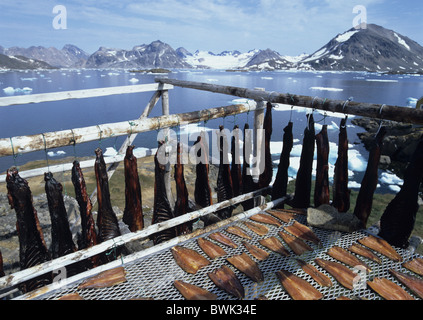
<point x="319" y="277"/>
<point x="248" y="266"/>
<point x="189" y="260"/>
<point x="72" y="296"/>
<point x="415" y="265"/>
<point x="256" y="252"/>
<point x="303" y="232"/>
<point x="388" y="290"/>
<point x="211" y="249"/>
<point x="227" y="280"/>
<point x="105" y="279"/>
<point x="341" y="273"/>
<point x="298" y="288"/>
<point x="346" y="257"/>
<point x="381" y="246"/>
<point x="282" y="214"/>
<point x="411" y="282"/>
<point x="296" y="244"/>
<point x="264" y="218"/>
<point x="238" y="232"/>
<point x="192" y="293"/>
<point x="224" y="239"/>
<point x="260" y="229"/>
<point x="275" y="245"/>
<point x="364" y="252"/>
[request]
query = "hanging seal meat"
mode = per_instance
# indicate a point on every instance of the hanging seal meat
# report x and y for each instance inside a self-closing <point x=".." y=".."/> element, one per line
<point x="236" y="168"/>
<point x="341" y="193"/>
<point x="107" y="222"/>
<point x="304" y="175"/>
<point x="247" y="179"/>
<point x="88" y="236"/>
<point x="133" y="215"/>
<point x="266" y="176"/>
<point x="321" y="190"/>
<point x="32" y="247"/>
<point x="398" y="220"/>
<point x="363" y="206"/>
<point x="224" y="179"/>
<point x="202" y="191"/>
<point x="162" y="210"/>
<point x="181" y="205"/>
<point x="281" y="182"/>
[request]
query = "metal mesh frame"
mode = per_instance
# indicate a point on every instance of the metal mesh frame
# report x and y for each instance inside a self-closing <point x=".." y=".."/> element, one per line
<point x="153" y="276"/>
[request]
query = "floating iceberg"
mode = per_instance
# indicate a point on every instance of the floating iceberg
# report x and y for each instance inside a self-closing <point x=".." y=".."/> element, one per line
<point x="10" y="91"/>
<point x="326" y="89"/>
<point x="53" y="154"/>
<point x="133" y="80"/>
<point x="391" y="179"/>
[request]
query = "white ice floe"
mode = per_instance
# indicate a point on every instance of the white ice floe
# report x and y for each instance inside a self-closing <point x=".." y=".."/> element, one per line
<point x="11" y="91"/>
<point x="395" y="188"/>
<point x="327" y="89"/>
<point x="354" y="185"/>
<point x="133" y="80"/>
<point x="381" y="80"/>
<point x="53" y="154"/>
<point x="267" y="78"/>
<point x="391" y="179"/>
<point x="356" y="162"/>
<point x="110" y="152"/>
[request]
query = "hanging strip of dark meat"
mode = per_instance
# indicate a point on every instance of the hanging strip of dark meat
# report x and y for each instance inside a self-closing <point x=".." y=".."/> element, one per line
<point x="202" y="191"/>
<point x="107" y="222"/>
<point x="236" y="169"/>
<point x="321" y="190"/>
<point x="304" y="175"/>
<point x="364" y="203"/>
<point x="181" y="205"/>
<point x="88" y="237"/>
<point x="1" y="266"/>
<point x="281" y="182"/>
<point x="341" y="193"/>
<point x="266" y="176"/>
<point x="32" y="247"/>
<point x="398" y="220"/>
<point x="162" y="210"/>
<point x="224" y="179"/>
<point x="247" y="179"/>
<point x="132" y="215"/>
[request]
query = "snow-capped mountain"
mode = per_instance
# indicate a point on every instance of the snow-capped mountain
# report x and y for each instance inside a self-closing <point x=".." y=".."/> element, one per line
<point x="223" y="60"/>
<point x="373" y="49"/>
<point x="69" y="56"/>
<point x="155" y="55"/>
<point x="21" y="63"/>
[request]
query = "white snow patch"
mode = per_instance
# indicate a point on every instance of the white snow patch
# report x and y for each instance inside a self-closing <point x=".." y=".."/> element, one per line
<point x="402" y="42"/>
<point x="346" y="36"/>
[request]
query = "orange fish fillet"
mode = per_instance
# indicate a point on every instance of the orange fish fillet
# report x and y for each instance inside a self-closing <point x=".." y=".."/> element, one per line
<point x="72" y="296"/>
<point x="298" y="288"/>
<point x="346" y="257"/>
<point x="341" y="273"/>
<point x="381" y="246"/>
<point x="296" y="244"/>
<point x="238" y="232"/>
<point x="256" y="252"/>
<point x="282" y="214"/>
<point x="264" y="218"/>
<point x="415" y="265"/>
<point x="411" y="282"/>
<point x="192" y="293"/>
<point x="227" y="280"/>
<point x="275" y="245"/>
<point x="224" y="239"/>
<point x="257" y="228"/>
<point x="388" y="290"/>
<point x="105" y="279"/>
<point x="362" y="251"/>
<point x="212" y="250"/>
<point x="248" y="266"/>
<point x="189" y="260"/>
<point x="319" y="277"/>
<point x="303" y="232"/>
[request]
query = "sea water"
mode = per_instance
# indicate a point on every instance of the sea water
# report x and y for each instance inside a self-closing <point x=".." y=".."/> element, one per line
<point x="53" y="116"/>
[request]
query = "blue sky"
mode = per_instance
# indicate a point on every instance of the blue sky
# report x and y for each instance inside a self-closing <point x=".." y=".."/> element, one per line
<point x="287" y="26"/>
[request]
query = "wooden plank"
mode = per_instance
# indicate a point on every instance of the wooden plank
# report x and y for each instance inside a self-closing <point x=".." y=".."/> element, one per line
<point x="51" y="140"/>
<point x="80" y="94"/>
<point x="33" y="272"/>
<point x="369" y="110"/>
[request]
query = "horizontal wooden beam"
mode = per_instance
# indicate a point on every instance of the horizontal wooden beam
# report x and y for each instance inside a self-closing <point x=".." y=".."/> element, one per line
<point x="51" y="140"/>
<point x="368" y="110"/>
<point x="12" y="280"/>
<point x="80" y="94"/>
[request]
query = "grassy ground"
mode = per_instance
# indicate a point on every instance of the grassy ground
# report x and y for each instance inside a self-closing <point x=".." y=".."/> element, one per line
<point x="146" y="172"/>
